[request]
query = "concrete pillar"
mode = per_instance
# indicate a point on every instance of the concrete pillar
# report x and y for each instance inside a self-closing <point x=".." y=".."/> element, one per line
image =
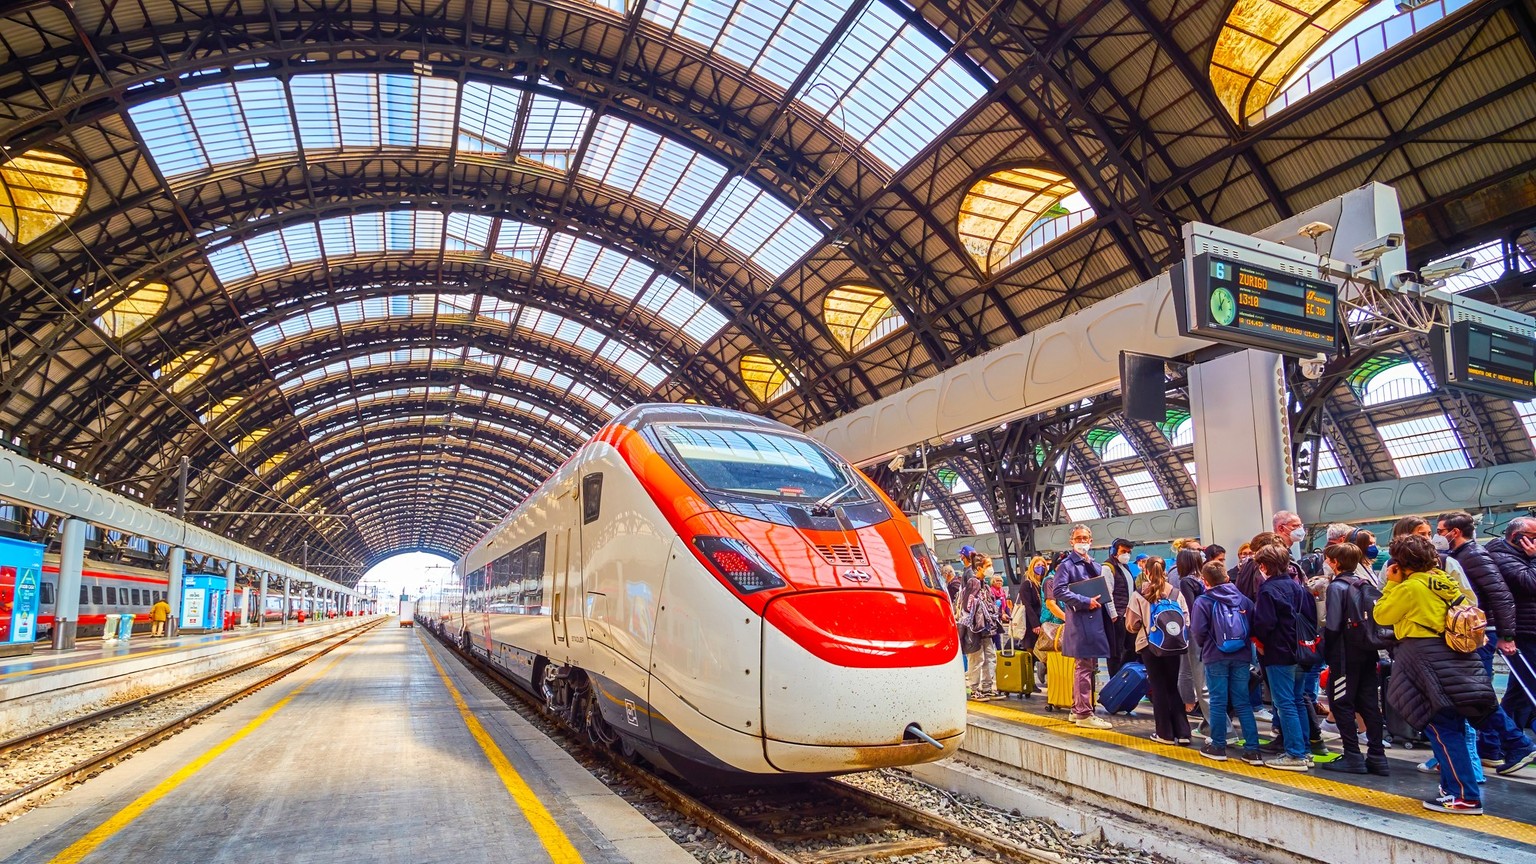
<point x="1242" y="445"/>
<point x="66" y="600"/>
<point x="261" y="602"/>
<point x="287" y="597"/>
<point x="177" y="571"/>
<point x="231" y="570"/>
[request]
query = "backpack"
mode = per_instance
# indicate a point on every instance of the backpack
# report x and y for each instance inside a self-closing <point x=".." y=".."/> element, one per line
<point x="1360" y="625"/>
<point x="1167" y="631"/>
<point x="981" y="618"/>
<point x="1465" y="626"/>
<point x="1309" y="643"/>
<point x="1229" y="627"/>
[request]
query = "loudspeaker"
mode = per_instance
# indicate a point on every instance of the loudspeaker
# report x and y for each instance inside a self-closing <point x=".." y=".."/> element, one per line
<point x="1143" y="387"/>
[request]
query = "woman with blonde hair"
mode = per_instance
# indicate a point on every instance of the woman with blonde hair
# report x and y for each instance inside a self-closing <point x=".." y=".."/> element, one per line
<point x="1162" y="669"/>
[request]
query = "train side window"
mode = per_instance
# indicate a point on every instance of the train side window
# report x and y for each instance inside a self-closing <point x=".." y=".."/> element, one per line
<point x="47" y="594"/>
<point x="96" y="596"/>
<point x="138" y="598"/>
<point x="85" y="595"/>
<point x="111" y="596"/>
<point x="533" y="578"/>
<point x="591" y="498"/>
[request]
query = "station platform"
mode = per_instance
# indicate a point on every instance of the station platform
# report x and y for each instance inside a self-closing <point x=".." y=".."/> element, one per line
<point x="388" y="751"/>
<point x="1278" y="815"/>
<point x="46" y="683"/>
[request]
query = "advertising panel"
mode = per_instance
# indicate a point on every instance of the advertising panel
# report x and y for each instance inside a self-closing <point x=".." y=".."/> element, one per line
<point x="21" y="575"/>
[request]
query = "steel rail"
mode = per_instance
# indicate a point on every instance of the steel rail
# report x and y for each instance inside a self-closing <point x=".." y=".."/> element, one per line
<point x="755" y="845"/>
<point x="17" y="798"/>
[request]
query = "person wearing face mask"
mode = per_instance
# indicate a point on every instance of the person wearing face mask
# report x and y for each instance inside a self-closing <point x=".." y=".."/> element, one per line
<point x="1029" y="599"/>
<point x="1086" y="635"/>
<point x="1501" y="743"/>
<point x="1122" y="584"/>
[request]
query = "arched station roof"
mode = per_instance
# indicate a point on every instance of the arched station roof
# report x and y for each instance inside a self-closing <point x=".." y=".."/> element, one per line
<point x="273" y="238"/>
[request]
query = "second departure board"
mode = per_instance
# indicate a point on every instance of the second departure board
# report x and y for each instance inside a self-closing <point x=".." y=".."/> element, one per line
<point x="1494" y="360"/>
<point x="1261" y="307"/>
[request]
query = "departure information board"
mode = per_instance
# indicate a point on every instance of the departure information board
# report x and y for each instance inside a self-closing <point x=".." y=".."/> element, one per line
<point x="1260" y="307"/>
<point x="1488" y="359"/>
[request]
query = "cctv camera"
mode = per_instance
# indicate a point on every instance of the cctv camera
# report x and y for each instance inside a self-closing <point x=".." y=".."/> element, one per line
<point x="1312" y="367"/>
<point x="1440" y="271"/>
<point x="897" y="462"/>
<point x="1403" y="280"/>
<point x="1370" y="253"/>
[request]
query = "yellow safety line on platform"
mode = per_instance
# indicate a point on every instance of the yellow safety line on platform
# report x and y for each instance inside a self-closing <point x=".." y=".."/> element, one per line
<point x="124" y="817"/>
<point x="1303" y="781"/>
<point x="131" y="655"/>
<point x="544" y="825"/>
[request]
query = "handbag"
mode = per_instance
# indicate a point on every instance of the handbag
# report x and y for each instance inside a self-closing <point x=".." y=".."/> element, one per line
<point x="1049" y="640"/>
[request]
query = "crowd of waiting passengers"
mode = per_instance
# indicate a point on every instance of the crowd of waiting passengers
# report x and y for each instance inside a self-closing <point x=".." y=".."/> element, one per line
<point x="1401" y="649"/>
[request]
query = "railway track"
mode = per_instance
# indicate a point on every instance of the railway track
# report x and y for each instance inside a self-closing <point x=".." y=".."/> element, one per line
<point x="37" y="765"/>
<point x="807" y="822"/>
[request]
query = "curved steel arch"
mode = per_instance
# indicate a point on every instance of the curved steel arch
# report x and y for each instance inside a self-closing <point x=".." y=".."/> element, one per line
<point x="328" y="348"/>
<point x="285" y="433"/>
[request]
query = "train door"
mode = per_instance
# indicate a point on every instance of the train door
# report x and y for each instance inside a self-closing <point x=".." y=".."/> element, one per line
<point x="560" y="575"/>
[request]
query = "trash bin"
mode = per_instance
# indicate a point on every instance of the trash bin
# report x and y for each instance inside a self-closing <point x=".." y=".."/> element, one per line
<point x="109" y="630"/>
<point x="125" y="627"/>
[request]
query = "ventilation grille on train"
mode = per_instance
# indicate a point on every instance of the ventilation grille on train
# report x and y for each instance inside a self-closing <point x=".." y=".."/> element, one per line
<point x="840" y="553"/>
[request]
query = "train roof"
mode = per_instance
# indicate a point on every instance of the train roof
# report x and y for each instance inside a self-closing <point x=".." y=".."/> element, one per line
<point x="641" y="416"/>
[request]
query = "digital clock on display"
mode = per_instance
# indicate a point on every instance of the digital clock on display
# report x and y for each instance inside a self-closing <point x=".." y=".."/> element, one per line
<point x="1259" y="307"/>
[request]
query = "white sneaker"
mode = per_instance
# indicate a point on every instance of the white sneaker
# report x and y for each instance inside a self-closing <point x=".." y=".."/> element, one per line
<point x="1264" y="715"/>
<point x="1092" y="722"/>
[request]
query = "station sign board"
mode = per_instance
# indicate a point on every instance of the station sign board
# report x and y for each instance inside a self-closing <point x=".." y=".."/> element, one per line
<point x="1487" y="356"/>
<point x="21" y="580"/>
<point x="1238" y="302"/>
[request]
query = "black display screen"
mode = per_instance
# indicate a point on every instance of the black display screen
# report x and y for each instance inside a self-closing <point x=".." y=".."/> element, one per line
<point x="1495" y="361"/>
<point x="1261" y="307"/>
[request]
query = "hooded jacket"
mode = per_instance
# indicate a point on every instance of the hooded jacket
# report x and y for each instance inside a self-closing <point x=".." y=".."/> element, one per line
<point x="1427" y="676"/>
<point x="1519" y="574"/>
<point x="1200" y="622"/>
<point x="1283" y="601"/>
<point x="1493" y="595"/>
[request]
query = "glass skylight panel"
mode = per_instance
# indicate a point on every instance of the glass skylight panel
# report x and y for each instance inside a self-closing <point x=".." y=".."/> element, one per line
<point x="1403" y="381"/>
<point x="630" y="360"/>
<point x="776" y="39"/>
<point x="1423" y="445"/>
<point x="940" y="527"/>
<point x="554" y="131"/>
<point x="758" y="224"/>
<point x="1140" y="492"/>
<point x="1487" y="266"/>
<point x="657" y="169"/>
<point x="488" y="117"/>
<point x="978" y="516"/>
<point x="1329" y="474"/>
<point x="1193" y="471"/>
<point x="1117" y="448"/>
<point x="469" y="231"/>
<point x="1527" y="411"/>
<point x="1078" y="503"/>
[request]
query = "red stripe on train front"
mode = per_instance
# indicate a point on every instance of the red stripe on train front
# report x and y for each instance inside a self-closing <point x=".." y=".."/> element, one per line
<point x="868" y="628"/>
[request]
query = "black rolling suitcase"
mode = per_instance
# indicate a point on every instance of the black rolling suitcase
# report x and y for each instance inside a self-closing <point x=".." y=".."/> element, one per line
<point x="1398" y="731"/>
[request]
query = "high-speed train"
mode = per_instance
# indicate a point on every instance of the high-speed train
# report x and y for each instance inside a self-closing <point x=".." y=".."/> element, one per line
<point x="722" y="595"/>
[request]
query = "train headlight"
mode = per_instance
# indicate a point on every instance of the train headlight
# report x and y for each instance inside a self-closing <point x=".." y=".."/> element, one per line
<point x="739" y="563"/>
<point x="928" y="566"/>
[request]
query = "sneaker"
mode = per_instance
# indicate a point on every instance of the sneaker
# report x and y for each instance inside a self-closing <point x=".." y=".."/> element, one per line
<point x="1253" y="757"/>
<point x="1158" y="739"/>
<point x="1452" y="804"/>
<point x="1184" y="742"/>
<point x="1317" y="747"/>
<point x="1092" y="722"/>
<point x="1428" y="767"/>
<point x="1201" y="732"/>
<point x="1492" y="761"/>
<point x="1348" y="763"/>
<point x="1264" y="715"/>
<point x="1514" y="763"/>
<point x="1214" y="752"/>
<point x="1378" y="765"/>
<point x="1288" y="763"/>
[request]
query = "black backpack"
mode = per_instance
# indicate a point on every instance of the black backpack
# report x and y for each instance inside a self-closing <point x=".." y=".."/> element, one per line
<point x="1309" y="643"/>
<point x="1360" y="627"/>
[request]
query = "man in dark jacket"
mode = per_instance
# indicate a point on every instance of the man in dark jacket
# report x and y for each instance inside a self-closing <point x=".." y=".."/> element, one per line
<point x="1084" y="638"/>
<point x="1515" y="555"/>
<point x="1500" y="739"/>
<point x="1283" y="605"/>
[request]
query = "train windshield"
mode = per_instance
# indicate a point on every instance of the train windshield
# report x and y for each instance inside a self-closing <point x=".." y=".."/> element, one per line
<point x="763" y="464"/>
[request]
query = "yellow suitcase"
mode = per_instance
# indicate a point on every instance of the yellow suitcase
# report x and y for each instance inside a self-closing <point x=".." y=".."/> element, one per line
<point x="1059" y="674"/>
<point x="1015" y="672"/>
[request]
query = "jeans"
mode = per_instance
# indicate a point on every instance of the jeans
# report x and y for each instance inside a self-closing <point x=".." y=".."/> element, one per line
<point x="1499" y="737"/>
<point x="1285" y="688"/>
<point x="981" y="669"/>
<point x="1082" y="686"/>
<point x="1228" y="683"/>
<point x="1311" y="680"/>
<point x="1447" y="733"/>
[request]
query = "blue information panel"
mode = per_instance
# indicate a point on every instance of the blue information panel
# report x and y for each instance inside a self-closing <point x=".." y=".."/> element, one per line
<point x="202" y="601"/>
<point x="1259" y="307"/>
<point x="21" y="579"/>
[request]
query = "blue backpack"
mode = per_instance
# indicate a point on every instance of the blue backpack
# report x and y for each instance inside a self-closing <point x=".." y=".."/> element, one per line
<point x="1167" y="631"/>
<point x="1229" y="627"/>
